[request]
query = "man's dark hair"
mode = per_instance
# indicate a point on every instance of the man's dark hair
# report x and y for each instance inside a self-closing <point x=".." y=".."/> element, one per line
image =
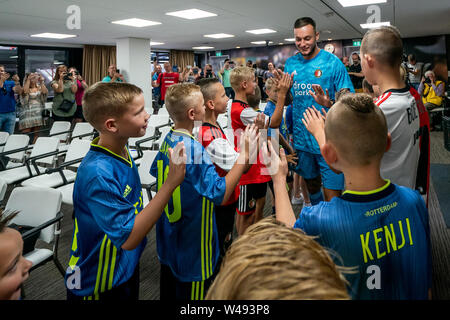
<point x="226" y="60"/>
<point x="301" y="22"/>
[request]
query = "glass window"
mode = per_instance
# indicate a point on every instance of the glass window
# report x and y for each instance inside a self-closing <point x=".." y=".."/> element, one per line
<point x="45" y="62"/>
<point x="8" y="58"/>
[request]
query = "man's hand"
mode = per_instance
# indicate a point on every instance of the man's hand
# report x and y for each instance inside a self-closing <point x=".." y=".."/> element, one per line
<point x="260" y="121"/>
<point x="15" y="78"/>
<point x="177" y="165"/>
<point x="292" y="158"/>
<point x="314" y="122"/>
<point x="320" y="96"/>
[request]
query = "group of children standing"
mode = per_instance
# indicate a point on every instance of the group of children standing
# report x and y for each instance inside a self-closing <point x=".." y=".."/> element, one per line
<point x="204" y="182"/>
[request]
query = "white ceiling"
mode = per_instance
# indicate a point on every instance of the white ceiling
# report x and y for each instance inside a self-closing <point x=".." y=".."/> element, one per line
<point x="21" y="18"/>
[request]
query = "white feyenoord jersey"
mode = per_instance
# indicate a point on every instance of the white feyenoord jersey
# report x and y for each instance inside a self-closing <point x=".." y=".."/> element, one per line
<point x="400" y="163"/>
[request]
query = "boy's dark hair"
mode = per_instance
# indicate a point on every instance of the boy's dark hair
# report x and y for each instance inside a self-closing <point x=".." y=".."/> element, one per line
<point x="5" y="219"/>
<point x="385" y="44"/>
<point x="301" y="22"/>
<point x="341" y="93"/>
<point x="205" y="85"/>
<point x="367" y="85"/>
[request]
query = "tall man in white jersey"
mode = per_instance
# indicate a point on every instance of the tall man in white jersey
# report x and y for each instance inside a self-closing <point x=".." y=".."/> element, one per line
<point x="315" y="72"/>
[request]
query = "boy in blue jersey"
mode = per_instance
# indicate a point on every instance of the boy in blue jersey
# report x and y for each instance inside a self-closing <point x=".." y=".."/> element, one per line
<point x="376" y="226"/>
<point x="186" y="235"/>
<point x="111" y="222"/>
<point x="315" y="71"/>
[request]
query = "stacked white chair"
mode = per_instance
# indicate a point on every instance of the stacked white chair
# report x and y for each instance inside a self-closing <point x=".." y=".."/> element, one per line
<point x="42" y="147"/>
<point x="164" y="131"/>
<point x="144" y="174"/>
<point x="38" y="208"/>
<point x="16" y="142"/>
<point x="60" y="130"/>
<point x="3" y="138"/>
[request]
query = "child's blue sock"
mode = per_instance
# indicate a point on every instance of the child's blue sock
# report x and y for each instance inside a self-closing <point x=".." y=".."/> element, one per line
<point x="316" y="198"/>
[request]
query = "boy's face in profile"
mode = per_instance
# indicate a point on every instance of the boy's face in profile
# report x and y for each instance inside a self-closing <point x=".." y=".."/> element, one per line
<point x="220" y="99"/>
<point x="133" y="123"/>
<point x="273" y="93"/>
<point x="251" y="85"/>
<point x="13" y="266"/>
<point x="198" y="105"/>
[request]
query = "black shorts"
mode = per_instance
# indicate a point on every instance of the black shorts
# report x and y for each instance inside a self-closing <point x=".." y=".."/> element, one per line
<point x="79" y="113"/>
<point x="173" y="289"/>
<point x="248" y="194"/>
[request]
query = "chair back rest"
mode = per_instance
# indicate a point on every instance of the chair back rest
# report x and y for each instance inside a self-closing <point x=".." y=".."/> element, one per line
<point x="16" y="141"/>
<point x="45" y="145"/>
<point x="222" y="120"/>
<point x="149" y="133"/>
<point x="158" y="120"/>
<point x="60" y="126"/>
<point x="3" y="187"/>
<point x="163" y="112"/>
<point x="77" y="149"/>
<point x="36" y="206"/>
<point x="144" y="167"/>
<point x="3" y="138"/>
<point x="82" y="128"/>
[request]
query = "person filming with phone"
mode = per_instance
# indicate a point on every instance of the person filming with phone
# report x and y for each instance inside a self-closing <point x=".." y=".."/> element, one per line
<point x="114" y="75"/>
<point x="432" y="92"/>
<point x="64" y="85"/>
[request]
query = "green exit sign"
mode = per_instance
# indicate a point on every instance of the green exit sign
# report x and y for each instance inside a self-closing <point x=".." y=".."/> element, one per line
<point x="218" y="53"/>
<point x="357" y="43"/>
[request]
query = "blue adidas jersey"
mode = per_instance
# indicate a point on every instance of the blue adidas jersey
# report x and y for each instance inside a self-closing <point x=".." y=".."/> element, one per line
<point x="268" y="111"/>
<point x="324" y="69"/>
<point x="384" y="234"/>
<point x="107" y="196"/>
<point x="186" y="233"/>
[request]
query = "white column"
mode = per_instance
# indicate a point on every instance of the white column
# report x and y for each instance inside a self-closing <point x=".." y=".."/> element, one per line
<point x="134" y="61"/>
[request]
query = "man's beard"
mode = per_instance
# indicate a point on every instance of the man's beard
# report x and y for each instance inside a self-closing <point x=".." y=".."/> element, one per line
<point x="311" y="52"/>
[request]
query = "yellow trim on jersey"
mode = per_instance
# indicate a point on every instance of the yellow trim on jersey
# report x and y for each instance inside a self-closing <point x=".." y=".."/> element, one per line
<point x="94" y="143"/>
<point x="183" y="132"/>
<point x="388" y="182"/>
<point x="197" y="290"/>
<point x="106" y="263"/>
<point x="206" y="238"/>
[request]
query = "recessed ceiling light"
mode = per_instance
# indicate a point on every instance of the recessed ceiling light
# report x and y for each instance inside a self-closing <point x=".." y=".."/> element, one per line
<point x="53" y="35"/>
<point x="374" y="25"/>
<point x="353" y="3"/>
<point x="135" y="22"/>
<point x="290" y="39"/>
<point x="219" y="35"/>
<point x="329" y="39"/>
<point x="191" y="14"/>
<point x="280" y="43"/>
<point x="238" y="47"/>
<point x="155" y="43"/>
<point x="14" y="57"/>
<point x="260" y="42"/>
<point x="202" y="48"/>
<point x="261" y="31"/>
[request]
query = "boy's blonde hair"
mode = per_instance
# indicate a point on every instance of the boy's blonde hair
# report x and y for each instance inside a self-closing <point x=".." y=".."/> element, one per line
<point x="104" y="100"/>
<point x="357" y="128"/>
<point x="179" y="98"/>
<point x="254" y="99"/>
<point x="271" y="261"/>
<point x="207" y="88"/>
<point x="5" y="217"/>
<point x="270" y="83"/>
<point x="239" y="75"/>
<point x="385" y="44"/>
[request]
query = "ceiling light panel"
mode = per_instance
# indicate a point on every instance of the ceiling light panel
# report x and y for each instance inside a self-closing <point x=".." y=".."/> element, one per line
<point x="374" y="25"/>
<point x="53" y="35"/>
<point x="353" y="3"/>
<point x="136" y="22"/>
<point x="191" y="14"/>
<point x="219" y="35"/>
<point x="261" y="31"/>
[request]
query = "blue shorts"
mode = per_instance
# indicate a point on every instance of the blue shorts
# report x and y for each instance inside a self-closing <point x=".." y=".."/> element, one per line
<point x="311" y="165"/>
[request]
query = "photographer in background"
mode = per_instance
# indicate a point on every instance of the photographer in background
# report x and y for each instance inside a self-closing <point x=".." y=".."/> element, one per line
<point x="114" y="75"/>
<point x="414" y="69"/>
<point x="65" y="86"/>
<point x="7" y="100"/>
<point x="82" y="86"/>
<point x="209" y="73"/>
<point x="432" y="92"/>
<point x="225" y="72"/>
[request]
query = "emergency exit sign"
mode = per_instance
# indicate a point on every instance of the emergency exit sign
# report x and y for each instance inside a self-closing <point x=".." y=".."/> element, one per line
<point x="357" y="43"/>
<point x="218" y="53"/>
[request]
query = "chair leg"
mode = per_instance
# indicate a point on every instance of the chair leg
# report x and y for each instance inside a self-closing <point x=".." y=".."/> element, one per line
<point x="55" y="250"/>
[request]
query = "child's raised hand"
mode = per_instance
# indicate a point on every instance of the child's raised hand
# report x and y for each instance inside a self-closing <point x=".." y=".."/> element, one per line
<point x="260" y="121"/>
<point x="320" y="96"/>
<point x="284" y="83"/>
<point x="276" y="165"/>
<point x="249" y="143"/>
<point x="313" y="120"/>
<point x="177" y="164"/>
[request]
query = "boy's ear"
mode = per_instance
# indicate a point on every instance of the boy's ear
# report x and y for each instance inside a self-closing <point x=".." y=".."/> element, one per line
<point x="370" y="59"/>
<point x="389" y="142"/>
<point x="190" y="114"/>
<point x="209" y="104"/>
<point x="330" y="155"/>
<point x="110" y="125"/>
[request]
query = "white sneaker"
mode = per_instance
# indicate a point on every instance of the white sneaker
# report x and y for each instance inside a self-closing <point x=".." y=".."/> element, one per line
<point x="307" y="204"/>
<point x="296" y="200"/>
